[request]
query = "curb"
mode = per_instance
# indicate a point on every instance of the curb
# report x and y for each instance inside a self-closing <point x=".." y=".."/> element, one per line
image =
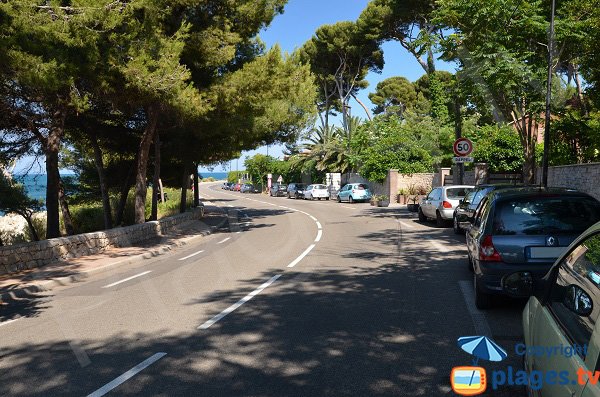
<point x="44" y="286"/>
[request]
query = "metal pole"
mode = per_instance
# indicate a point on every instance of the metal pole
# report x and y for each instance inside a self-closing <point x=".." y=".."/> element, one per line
<point x="548" y="100"/>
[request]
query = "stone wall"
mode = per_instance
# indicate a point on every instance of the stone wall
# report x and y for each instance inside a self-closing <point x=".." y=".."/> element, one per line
<point x="399" y="181"/>
<point x="583" y="177"/>
<point x="40" y="253"/>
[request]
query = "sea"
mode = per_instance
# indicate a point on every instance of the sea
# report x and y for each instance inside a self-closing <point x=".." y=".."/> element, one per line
<point x="35" y="184"/>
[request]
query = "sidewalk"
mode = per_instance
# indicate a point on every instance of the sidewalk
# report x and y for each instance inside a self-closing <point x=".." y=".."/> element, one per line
<point x="22" y="284"/>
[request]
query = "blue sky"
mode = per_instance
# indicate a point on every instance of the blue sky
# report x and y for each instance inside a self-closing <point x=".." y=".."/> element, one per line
<point x="295" y="26"/>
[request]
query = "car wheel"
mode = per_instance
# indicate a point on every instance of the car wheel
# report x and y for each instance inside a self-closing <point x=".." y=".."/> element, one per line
<point x="457" y="229"/>
<point x="327" y="198"/>
<point x="319" y="198"/>
<point x="350" y="200"/>
<point x="483" y="301"/>
<point x="339" y="199"/>
<point x="422" y="217"/>
<point x="439" y="221"/>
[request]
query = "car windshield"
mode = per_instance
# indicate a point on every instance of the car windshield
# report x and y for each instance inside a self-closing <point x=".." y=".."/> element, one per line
<point x="480" y="194"/>
<point x="457" y="192"/>
<point x="545" y="215"/>
<point x="320" y="187"/>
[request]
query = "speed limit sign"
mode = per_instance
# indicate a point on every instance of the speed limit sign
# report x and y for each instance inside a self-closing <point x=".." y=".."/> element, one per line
<point x="462" y="147"/>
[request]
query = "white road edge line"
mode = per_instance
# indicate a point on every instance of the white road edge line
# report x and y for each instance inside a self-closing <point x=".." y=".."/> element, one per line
<point x="479" y="321"/>
<point x="127" y="375"/>
<point x="239" y="303"/>
<point x="189" y="256"/>
<point x="222" y="241"/>
<point x="319" y="235"/>
<point x="319" y="225"/>
<point x="9" y="321"/>
<point x="127" y="279"/>
<point x="302" y="255"/>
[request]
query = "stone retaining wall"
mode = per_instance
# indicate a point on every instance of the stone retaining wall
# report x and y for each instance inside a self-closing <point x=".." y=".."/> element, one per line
<point x="583" y="177"/>
<point x="36" y="254"/>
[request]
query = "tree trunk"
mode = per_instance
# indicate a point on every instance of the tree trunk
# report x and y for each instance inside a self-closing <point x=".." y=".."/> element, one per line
<point x="125" y="187"/>
<point x="185" y="182"/>
<point x="108" y="223"/>
<point x="155" y="181"/>
<point x="64" y="207"/>
<point x="196" y="191"/>
<point x="51" y="150"/>
<point x="142" y="164"/>
<point x="29" y="221"/>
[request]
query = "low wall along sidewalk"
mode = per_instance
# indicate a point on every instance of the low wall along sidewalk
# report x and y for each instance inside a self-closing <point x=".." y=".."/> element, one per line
<point x="36" y="254"/>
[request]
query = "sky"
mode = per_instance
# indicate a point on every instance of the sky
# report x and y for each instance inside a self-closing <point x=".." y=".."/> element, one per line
<point x="291" y="30"/>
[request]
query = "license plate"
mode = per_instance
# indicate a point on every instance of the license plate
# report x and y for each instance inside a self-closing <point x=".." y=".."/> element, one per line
<point x="545" y="252"/>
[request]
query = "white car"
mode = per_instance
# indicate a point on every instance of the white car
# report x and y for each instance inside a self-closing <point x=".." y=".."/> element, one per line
<point x="316" y="192"/>
<point x="441" y="202"/>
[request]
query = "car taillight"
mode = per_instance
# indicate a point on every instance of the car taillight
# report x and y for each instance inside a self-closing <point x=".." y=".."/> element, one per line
<point x="487" y="251"/>
<point x="446" y="204"/>
<point x="353" y="191"/>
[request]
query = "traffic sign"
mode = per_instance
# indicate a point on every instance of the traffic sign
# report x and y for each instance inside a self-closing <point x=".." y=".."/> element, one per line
<point x="462" y="160"/>
<point x="462" y="147"/>
<point x="269" y="176"/>
<point x="280" y="179"/>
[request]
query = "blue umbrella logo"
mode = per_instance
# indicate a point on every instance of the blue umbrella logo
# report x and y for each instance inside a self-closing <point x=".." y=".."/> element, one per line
<point x="482" y="347"/>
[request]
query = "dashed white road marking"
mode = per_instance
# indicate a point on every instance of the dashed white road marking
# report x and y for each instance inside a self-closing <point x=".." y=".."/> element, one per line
<point x="127" y="279"/>
<point x="345" y="206"/>
<point x="189" y="256"/>
<point x="302" y="255"/>
<point x="222" y="241"/>
<point x="479" y="321"/>
<point x="8" y="322"/>
<point x="319" y="235"/>
<point x="127" y="375"/>
<point x="239" y="303"/>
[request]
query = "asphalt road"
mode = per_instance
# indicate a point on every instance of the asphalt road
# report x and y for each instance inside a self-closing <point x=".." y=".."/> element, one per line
<point x="289" y="298"/>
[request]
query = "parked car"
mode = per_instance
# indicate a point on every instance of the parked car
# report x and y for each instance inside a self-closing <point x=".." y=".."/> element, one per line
<point x="278" y="189"/>
<point x="296" y="190"/>
<point x="563" y="310"/>
<point x="249" y="188"/>
<point x="524" y="230"/>
<point x="353" y="192"/>
<point x="237" y="187"/>
<point x="316" y="191"/>
<point x="440" y="203"/>
<point x="464" y="212"/>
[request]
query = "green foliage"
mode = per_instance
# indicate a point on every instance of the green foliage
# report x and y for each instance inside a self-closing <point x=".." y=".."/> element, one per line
<point x="235" y="176"/>
<point x="499" y="147"/>
<point x="393" y="95"/>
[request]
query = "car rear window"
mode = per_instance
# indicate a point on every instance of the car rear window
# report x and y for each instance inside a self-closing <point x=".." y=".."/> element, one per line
<point x="362" y="186"/>
<point x="320" y="187"/>
<point x="457" y="192"/>
<point x="545" y="215"/>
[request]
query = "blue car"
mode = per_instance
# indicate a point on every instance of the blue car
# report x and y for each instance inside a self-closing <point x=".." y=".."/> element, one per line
<point x="353" y="192"/>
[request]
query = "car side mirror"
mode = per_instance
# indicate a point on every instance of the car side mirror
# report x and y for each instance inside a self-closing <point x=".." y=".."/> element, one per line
<point x="518" y="285"/>
<point x="578" y="301"/>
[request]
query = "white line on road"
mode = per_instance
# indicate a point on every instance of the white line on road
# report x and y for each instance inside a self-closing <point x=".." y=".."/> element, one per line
<point x="189" y="256"/>
<point x="319" y="225"/>
<point x="345" y="206"/>
<point x="302" y="255"/>
<point x="127" y="375"/>
<point x="479" y="321"/>
<point x="222" y="241"/>
<point x="239" y="303"/>
<point x="8" y="322"/>
<point x="313" y="218"/>
<point x="319" y="235"/>
<point x="127" y="279"/>
<point x="406" y="225"/>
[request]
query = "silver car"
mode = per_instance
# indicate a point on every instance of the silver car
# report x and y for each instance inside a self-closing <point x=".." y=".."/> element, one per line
<point x="441" y="202"/>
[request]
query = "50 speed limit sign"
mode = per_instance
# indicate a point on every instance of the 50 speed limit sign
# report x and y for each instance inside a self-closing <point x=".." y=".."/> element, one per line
<point x="462" y="147"/>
